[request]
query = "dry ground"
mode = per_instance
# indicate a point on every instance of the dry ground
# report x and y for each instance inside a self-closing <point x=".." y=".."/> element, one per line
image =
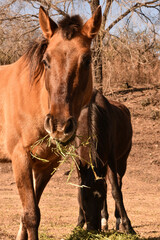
<point x="141" y="188"/>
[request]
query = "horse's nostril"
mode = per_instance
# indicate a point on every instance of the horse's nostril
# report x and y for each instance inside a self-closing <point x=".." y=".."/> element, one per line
<point x="70" y="126"/>
<point x="52" y="126"/>
<point x="47" y="120"/>
<point x="49" y="123"/>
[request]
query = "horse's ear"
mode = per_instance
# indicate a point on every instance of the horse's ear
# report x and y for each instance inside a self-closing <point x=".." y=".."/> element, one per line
<point x="47" y="25"/>
<point x="92" y="26"/>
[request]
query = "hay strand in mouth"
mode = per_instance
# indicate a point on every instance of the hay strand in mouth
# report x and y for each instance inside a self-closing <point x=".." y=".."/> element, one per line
<point x="38" y="143"/>
<point x="39" y="158"/>
<point x="65" y="152"/>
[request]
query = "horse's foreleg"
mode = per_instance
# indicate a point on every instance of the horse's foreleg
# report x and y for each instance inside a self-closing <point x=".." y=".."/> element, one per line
<point x="117" y="215"/>
<point x="104" y="216"/>
<point x="22" y="232"/>
<point x="117" y="195"/>
<point x="41" y="178"/>
<point x="81" y="218"/>
<point x="121" y="169"/>
<point x="23" y="176"/>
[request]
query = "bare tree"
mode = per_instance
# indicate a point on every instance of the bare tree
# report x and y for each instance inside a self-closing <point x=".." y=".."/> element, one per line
<point x="127" y="8"/>
<point x="130" y="60"/>
<point x="19" y="22"/>
<point x="16" y="29"/>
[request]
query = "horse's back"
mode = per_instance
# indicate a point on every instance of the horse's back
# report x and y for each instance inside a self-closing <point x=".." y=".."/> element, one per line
<point x="114" y="110"/>
<point x="123" y="124"/>
<point x="115" y="131"/>
<point x="120" y="108"/>
<point x="110" y="122"/>
<point x="117" y="128"/>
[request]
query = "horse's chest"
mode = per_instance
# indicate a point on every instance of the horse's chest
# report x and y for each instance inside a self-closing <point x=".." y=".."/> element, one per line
<point x="43" y="154"/>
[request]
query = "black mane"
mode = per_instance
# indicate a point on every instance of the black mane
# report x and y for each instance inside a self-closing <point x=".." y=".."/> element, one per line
<point x="34" y="56"/>
<point x="97" y="124"/>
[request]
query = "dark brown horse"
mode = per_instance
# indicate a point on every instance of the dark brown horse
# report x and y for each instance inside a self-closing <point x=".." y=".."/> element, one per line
<point x="44" y="92"/>
<point x="107" y="125"/>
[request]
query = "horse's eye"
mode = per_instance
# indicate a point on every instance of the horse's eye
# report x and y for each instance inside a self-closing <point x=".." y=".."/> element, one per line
<point x="86" y="61"/>
<point x="46" y="64"/>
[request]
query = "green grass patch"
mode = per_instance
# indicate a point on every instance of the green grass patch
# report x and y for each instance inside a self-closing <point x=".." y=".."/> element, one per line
<point x="80" y="234"/>
<point x="44" y="236"/>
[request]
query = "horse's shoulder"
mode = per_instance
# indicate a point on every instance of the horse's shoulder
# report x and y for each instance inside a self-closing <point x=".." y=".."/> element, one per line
<point x="120" y="107"/>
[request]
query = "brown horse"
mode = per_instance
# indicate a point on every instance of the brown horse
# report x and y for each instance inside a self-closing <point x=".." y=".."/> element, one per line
<point x="107" y="125"/>
<point x="44" y="92"/>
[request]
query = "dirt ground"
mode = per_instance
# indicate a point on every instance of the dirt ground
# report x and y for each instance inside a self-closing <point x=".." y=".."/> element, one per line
<point x="141" y="184"/>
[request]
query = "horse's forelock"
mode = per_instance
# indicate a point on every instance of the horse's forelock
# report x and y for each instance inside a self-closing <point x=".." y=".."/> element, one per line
<point x="70" y="25"/>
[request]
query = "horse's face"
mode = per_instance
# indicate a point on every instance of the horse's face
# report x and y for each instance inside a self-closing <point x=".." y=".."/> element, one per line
<point x="91" y="199"/>
<point x="68" y="77"/>
<point x="68" y="82"/>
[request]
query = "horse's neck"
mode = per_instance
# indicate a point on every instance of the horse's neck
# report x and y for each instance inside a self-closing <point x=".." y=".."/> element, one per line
<point x="34" y="91"/>
<point x="30" y="97"/>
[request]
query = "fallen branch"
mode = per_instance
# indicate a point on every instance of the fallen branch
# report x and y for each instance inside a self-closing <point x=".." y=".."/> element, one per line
<point x="125" y="91"/>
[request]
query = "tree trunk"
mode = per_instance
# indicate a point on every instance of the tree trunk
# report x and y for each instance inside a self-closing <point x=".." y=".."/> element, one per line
<point x="97" y="54"/>
<point x="97" y="63"/>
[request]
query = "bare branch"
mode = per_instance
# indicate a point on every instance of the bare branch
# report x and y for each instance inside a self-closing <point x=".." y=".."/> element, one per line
<point x="106" y="12"/>
<point x="49" y="4"/>
<point x="133" y="8"/>
<point x="58" y="10"/>
<point x="25" y="16"/>
<point x="8" y="5"/>
<point x="31" y="30"/>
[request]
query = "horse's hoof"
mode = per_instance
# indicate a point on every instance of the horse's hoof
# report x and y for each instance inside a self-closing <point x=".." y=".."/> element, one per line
<point x="131" y="231"/>
<point x="104" y="224"/>
<point x="118" y="222"/>
<point x="126" y="229"/>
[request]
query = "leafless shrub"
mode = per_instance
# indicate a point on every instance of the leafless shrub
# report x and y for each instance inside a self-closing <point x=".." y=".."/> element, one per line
<point x="131" y="59"/>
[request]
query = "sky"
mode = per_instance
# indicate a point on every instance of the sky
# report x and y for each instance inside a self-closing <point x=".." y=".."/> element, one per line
<point x="83" y="8"/>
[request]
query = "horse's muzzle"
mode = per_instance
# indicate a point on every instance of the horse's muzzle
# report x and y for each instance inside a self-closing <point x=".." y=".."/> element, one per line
<point x="60" y="132"/>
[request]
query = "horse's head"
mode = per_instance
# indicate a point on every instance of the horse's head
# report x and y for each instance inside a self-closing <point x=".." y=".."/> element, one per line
<point x="91" y="195"/>
<point x="68" y="77"/>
